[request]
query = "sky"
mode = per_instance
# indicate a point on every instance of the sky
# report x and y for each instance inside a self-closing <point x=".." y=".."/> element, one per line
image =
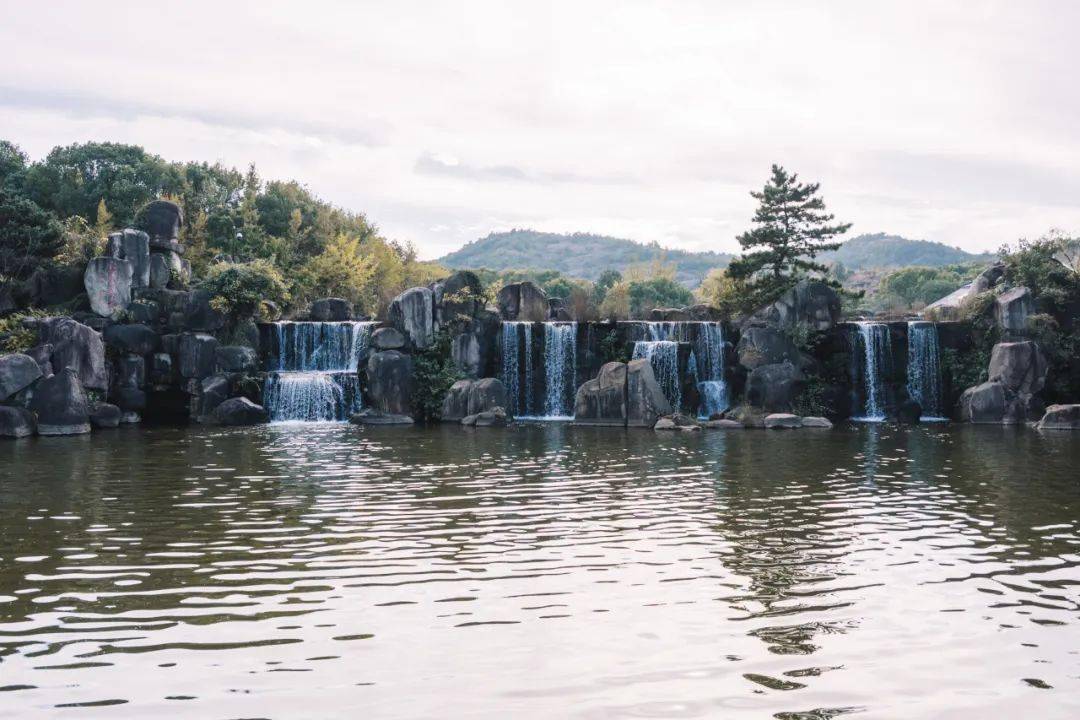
<point x="443" y="121"/>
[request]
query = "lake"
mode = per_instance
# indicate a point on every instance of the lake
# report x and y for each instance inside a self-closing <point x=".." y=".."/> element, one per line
<point x="540" y="571"/>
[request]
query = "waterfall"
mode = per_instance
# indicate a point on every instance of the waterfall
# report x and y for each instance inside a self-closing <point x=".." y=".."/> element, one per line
<point x="517" y="367"/>
<point x="709" y="364"/>
<point x="663" y="355"/>
<point x="560" y="369"/>
<point x="924" y="369"/>
<point x="874" y="347"/>
<point x="314" y="370"/>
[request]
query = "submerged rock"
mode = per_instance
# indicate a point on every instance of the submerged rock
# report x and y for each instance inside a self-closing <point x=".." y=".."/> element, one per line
<point x="495" y="417"/>
<point x="782" y="421"/>
<point x="16" y="422"/>
<point x="724" y="424"/>
<point x="1061" y="417"/>
<point x="105" y="415"/>
<point x="816" y="422"/>
<point x="374" y="417"/>
<point x="61" y="405"/>
<point x="239" y="411"/>
<point x="602" y="400"/>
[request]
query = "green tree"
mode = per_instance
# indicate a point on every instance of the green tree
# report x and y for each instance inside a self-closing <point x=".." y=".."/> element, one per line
<point x="792" y="228"/>
<point x="13" y="163"/>
<point x="29" y="235"/>
<point x="646" y="295"/>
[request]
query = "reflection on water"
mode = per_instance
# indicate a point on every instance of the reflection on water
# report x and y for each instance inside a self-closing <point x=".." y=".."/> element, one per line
<point x="540" y="571"/>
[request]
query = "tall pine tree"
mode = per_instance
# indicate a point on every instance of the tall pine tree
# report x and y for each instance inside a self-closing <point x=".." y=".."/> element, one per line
<point x="791" y="229"/>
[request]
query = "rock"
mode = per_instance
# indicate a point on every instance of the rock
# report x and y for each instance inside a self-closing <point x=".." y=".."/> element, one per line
<point x="77" y="347"/>
<point x="213" y="391"/>
<point x="782" y="420"/>
<point x="465" y="352"/>
<point x="390" y="378"/>
<point x="133" y="246"/>
<point x="811" y="302"/>
<point x="412" y="313"/>
<point x="17" y="371"/>
<point x="143" y="312"/>
<point x="816" y="422"/>
<point x="197" y="355"/>
<point x="773" y="387"/>
<point x="199" y="314"/>
<point x="1057" y="417"/>
<point x="724" y="424"/>
<point x="1012" y="309"/>
<point x="496" y="417"/>
<point x="487" y="395"/>
<point x="42" y="355"/>
<point x="1019" y="366"/>
<point x="602" y="400"/>
<point x="766" y="346"/>
<point x="161" y="369"/>
<point x="56" y="285"/>
<point x="160" y="273"/>
<point x="459" y="297"/>
<point x="747" y="416"/>
<point x="108" y="283"/>
<point x="161" y="219"/>
<point x="677" y="421"/>
<point x="387" y="338"/>
<point x="138" y="339"/>
<point x="331" y="310"/>
<point x="105" y="415"/>
<point x="645" y="401"/>
<point x="130" y="417"/>
<point x="669" y="315"/>
<point x="984" y="403"/>
<point x="236" y="359"/>
<point x="16" y="422"/>
<point x="665" y="423"/>
<point x="704" y="312"/>
<point x="129" y="399"/>
<point x="60" y="404"/>
<point x="240" y="411"/>
<point x="130" y="371"/>
<point x="523" y="301"/>
<point x="456" y="403"/>
<point x="374" y="417"/>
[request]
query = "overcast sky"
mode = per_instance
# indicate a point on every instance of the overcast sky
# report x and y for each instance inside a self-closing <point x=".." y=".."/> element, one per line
<point x="956" y="122"/>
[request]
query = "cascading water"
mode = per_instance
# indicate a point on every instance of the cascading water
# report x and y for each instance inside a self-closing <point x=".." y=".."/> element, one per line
<point x="924" y="369"/>
<point x="873" y="343"/>
<point x="560" y="367"/>
<point x="709" y="357"/>
<point x="314" y="375"/>
<point x="663" y="355"/>
<point x="517" y="370"/>
<point x="558" y="374"/>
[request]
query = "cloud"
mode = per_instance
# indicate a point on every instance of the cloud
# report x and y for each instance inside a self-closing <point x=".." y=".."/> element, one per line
<point x="446" y="166"/>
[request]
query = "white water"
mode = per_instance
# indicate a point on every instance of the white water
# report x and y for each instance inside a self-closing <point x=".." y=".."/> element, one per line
<point x="558" y="372"/>
<point x="924" y="370"/>
<point x="709" y="356"/>
<point x="663" y="355"/>
<point x="874" y="346"/>
<point x="560" y="368"/>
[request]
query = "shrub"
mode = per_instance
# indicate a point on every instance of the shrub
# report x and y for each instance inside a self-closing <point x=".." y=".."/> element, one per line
<point x="611" y="350"/>
<point x="433" y="374"/>
<point x="240" y="289"/>
<point x="14" y="337"/>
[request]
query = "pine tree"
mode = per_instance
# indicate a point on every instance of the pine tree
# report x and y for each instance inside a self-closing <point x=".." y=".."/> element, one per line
<point x="792" y="228"/>
<point x="103" y="223"/>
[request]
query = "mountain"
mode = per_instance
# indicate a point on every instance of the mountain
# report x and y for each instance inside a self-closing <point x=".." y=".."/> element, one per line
<point x="579" y="255"/>
<point x="890" y="251"/>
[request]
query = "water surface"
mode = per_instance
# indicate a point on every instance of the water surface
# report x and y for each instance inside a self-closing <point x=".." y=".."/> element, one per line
<point x="541" y="571"/>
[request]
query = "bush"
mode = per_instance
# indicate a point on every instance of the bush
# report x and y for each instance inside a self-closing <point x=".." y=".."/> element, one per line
<point x="611" y="350"/>
<point x="433" y="374"/>
<point x="14" y="337"/>
<point x="240" y="289"/>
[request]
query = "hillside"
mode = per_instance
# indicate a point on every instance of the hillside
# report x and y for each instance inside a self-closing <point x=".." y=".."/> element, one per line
<point x="889" y="251"/>
<point x="577" y="255"/>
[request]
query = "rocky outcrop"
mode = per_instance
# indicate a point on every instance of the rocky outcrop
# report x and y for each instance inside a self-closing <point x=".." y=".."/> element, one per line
<point x="496" y="417"/>
<point x="108" y="283"/>
<point x="984" y="403"/>
<point x="810" y="302"/>
<point x="412" y="313"/>
<point x="239" y="411"/>
<point x="1012" y="309"/>
<point x="1019" y="366"/>
<point x="16" y="422"/>
<point x="762" y="345"/>
<point x="677" y="421"/>
<point x="670" y="315"/>
<point x="472" y="397"/>
<point x="136" y="338"/>
<point x="134" y="247"/>
<point x="387" y="338"/>
<point x="782" y="421"/>
<point x="196" y="355"/>
<point x="645" y="401"/>
<point x="60" y="405"/>
<point x="331" y="310"/>
<point x="774" y="387"/>
<point x="1060" y="417"/>
<point x="162" y="219"/>
<point x="390" y="382"/>
<point x="236" y="359"/>
<point x="17" y="372"/>
<point x="523" y="301"/>
<point x="77" y="347"/>
<point x="375" y="417"/>
<point x="602" y="400"/>
<point x="105" y="415"/>
<point x="458" y="298"/>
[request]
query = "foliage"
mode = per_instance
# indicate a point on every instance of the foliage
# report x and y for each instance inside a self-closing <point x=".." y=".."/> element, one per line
<point x="341" y="270"/>
<point x="238" y="289"/>
<point x="813" y="400"/>
<point x="1062" y="352"/>
<point x="611" y="349"/>
<point x="29" y="235"/>
<point x="80" y="242"/>
<point x="916" y="287"/>
<point x="792" y="228"/>
<point x="721" y="291"/>
<point x="965" y="368"/>
<point x="14" y="337"/>
<point x="433" y="374"/>
<point x="1034" y="265"/>
<point x="657" y="292"/>
<point x="616" y="304"/>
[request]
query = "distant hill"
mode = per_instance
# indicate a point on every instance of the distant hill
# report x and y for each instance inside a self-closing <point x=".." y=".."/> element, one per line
<point x="579" y="255"/>
<point x="888" y="251"/>
<point x="584" y="255"/>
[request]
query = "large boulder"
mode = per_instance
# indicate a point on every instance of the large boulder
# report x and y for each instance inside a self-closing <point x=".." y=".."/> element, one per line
<point x="645" y="401"/>
<point x="130" y="371"/>
<point x="16" y="422"/>
<point x="465" y="353"/>
<point x="78" y="347"/>
<point x="213" y="391"/>
<point x="459" y="297"/>
<point x="456" y="403"/>
<point x="486" y="395"/>
<point x="984" y="403"/>
<point x="60" y="405"/>
<point x="766" y="346"/>
<point x="602" y="400"/>
<point x="413" y="314"/>
<point x="108" y="283"/>
<point x="236" y="359"/>
<point x="1061" y="417"/>
<point x="374" y="417"/>
<point x="523" y="301"/>
<point x="1012" y="308"/>
<point x="781" y="421"/>
<point x="1019" y="366"/>
<point x="390" y="382"/>
<point x="133" y="246"/>
<point x="17" y="371"/>
<point x="331" y="310"/>
<point x="199" y="314"/>
<point x="162" y="219"/>
<point x="387" y="338"/>
<point x="240" y="411"/>
<point x="774" y="387"/>
<point x="136" y="338"/>
<point x="160" y="272"/>
<point x="55" y="285"/>
<point x="105" y="415"/>
<point x="810" y="302"/>
<point x="496" y="417"/>
<point x="197" y="355"/>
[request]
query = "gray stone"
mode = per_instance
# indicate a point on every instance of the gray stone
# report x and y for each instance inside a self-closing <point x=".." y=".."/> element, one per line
<point x="331" y="310"/>
<point x="105" y="415"/>
<point x="16" y="422"/>
<point x="456" y="403"/>
<point x="724" y="424"/>
<point x="130" y="417"/>
<point x="42" y="355"/>
<point x="236" y="358"/>
<point x="496" y="417"/>
<point x="160" y="273"/>
<point x="137" y="338"/>
<point x="602" y="400"/>
<point x="810" y="302"/>
<point x="412" y="313"/>
<point x="1019" y="366"/>
<point x="459" y="297"/>
<point x="374" y="417"/>
<point x="1012" y="309"/>
<point x="128" y="399"/>
<point x="773" y="387"/>
<point x="61" y="405"/>
<point x="669" y="315"/>
<point x="984" y="403"/>
<point x="17" y="371"/>
<point x="162" y="220"/>
<point x="390" y="381"/>
<point x="486" y="395"/>
<point x="161" y="369"/>
<point x="766" y="346"/>
<point x="108" y="283"/>
<point x="816" y="422"/>
<point x="130" y="371"/>
<point x="199" y="314"/>
<point x="144" y="311"/>
<point x="523" y="301"/>
<point x="197" y="355"/>
<point x="645" y="401"/>
<point x="240" y="411"/>
<point x="213" y="391"/>
<point x="387" y="338"/>
<point x="782" y="421"/>
<point x="665" y="423"/>
<point x="77" y="347"/>
<point x="1061" y="417"/>
<point x="135" y="248"/>
<point x="465" y="353"/>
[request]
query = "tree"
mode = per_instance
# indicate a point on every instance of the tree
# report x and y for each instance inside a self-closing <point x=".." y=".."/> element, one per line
<point x="103" y="220"/>
<point x="12" y="166"/>
<point x="792" y="228"/>
<point x="342" y="270"/>
<point x="29" y="235"/>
